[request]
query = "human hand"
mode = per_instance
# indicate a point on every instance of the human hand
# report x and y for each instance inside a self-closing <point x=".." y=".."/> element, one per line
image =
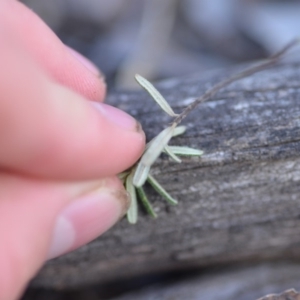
<point x="59" y="153"/>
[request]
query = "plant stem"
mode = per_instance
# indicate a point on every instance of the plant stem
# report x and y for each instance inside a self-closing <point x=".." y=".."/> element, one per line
<point x="212" y="91"/>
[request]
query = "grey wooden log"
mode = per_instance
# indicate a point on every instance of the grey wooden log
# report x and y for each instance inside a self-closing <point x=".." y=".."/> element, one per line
<point x="239" y="202"/>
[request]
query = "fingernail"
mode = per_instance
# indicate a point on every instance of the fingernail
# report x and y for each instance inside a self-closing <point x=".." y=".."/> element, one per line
<point x="118" y="116"/>
<point x="86" y="218"/>
<point x="86" y="62"/>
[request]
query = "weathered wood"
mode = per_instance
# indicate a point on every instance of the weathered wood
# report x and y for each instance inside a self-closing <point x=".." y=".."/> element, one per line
<point x="239" y="202"/>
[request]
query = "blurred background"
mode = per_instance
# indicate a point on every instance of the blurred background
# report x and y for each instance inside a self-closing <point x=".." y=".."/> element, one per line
<point x="161" y="39"/>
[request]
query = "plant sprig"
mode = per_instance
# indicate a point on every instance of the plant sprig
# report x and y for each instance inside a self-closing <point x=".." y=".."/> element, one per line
<point x="138" y="174"/>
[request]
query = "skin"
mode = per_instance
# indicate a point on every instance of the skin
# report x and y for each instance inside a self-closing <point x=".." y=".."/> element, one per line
<point x="59" y="153"/>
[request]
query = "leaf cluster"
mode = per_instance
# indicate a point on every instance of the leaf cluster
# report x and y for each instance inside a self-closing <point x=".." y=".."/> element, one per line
<point x="135" y="178"/>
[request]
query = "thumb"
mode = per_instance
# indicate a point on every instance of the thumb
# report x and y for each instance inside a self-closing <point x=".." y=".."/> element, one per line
<point x="49" y="130"/>
<point x="40" y="220"/>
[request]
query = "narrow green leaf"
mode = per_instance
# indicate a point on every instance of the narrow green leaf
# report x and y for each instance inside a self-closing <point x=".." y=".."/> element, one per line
<point x="185" y="151"/>
<point x="161" y="190"/>
<point x="156" y="95"/>
<point x="132" y="213"/>
<point x="140" y="174"/>
<point x="156" y="146"/>
<point x="179" y="130"/>
<point x="169" y="151"/>
<point x="144" y="199"/>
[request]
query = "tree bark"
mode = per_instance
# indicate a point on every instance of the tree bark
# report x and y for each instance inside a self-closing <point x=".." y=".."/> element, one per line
<point x="238" y="202"/>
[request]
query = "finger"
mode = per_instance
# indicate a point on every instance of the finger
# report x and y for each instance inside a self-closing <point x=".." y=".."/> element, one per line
<point x="40" y="220"/>
<point x="66" y="66"/>
<point x="48" y="130"/>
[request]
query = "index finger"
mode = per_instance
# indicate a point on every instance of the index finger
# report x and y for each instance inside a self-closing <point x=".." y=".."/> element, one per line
<point x="62" y="64"/>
